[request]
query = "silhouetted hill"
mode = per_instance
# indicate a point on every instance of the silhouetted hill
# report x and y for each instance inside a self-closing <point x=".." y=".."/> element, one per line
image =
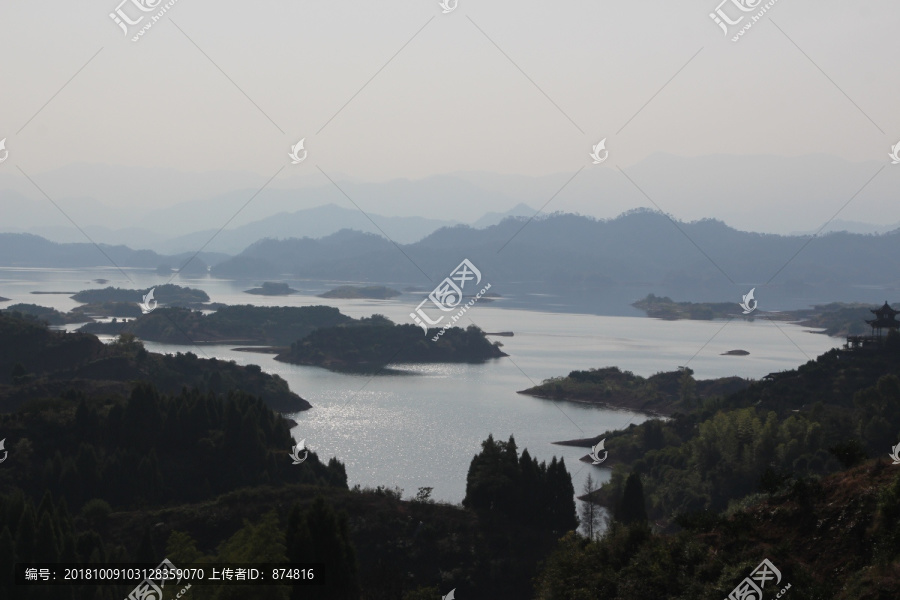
<point x="575" y="254"/>
<point x="372" y="343"/>
<point x="38" y="363"/>
<point x="26" y="250"/>
<point x="662" y="393"/>
<point x="244" y="323"/>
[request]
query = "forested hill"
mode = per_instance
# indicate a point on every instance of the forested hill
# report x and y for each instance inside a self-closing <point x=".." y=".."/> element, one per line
<point x="838" y="409"/>
<point x="27" y="250"/>
<point x="568" y="252"/>
<point x="374" y="342"/>
<point x="794" y="468"/>
<point x="243" y="324"/>
<point x="36" y="362"/>
<point x="662" y="393"/>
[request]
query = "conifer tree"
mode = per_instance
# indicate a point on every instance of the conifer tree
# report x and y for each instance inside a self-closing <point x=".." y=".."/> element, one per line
<point x="25" y="533"/>
<point x="46" y="547"/>
<point x="632" y="508"/>
<point x="323" y="536"/>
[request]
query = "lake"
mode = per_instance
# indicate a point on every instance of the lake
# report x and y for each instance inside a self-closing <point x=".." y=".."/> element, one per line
<point x="421" y="429"/>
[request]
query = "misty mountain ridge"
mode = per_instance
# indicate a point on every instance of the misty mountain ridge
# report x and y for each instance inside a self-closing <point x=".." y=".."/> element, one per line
<point x="25" y="250"/>
<point x="572" y="254"/>
<point x="114" y="204"/>
<point x="314" y="222"/>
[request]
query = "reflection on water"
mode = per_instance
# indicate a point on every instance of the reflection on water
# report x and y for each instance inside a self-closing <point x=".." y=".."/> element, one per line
<point x="423" y="430"/>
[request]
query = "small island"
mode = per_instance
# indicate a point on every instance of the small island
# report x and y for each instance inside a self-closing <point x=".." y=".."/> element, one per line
<point x="370" y="344"/>
<point x="663" y="307"/>
<point x="373" y="292"/>
<point x="661" y="394"/>
<point x="271" y="288"/>
<point x="106" y="309"/>
<point x="242" y="324"/>
<point x="167" y="294"/>
<point x="837" y="319"/>
<point x="2" y="299"/>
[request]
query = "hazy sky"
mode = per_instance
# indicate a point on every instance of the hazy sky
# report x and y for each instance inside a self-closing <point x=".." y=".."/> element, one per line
<point x="384" y="90"/>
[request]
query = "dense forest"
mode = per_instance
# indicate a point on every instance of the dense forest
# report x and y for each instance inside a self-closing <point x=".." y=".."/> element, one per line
<point x="37" y="363"/>
<point x="271" y="325"/>
<point x="164" y="294"/>
<point x="793" y="469"/>
<point x="662" y="393"/>
<point x="374" y="342"/>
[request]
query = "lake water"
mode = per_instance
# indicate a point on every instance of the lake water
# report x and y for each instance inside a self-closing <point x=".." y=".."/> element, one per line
<point x="422" y="429"/>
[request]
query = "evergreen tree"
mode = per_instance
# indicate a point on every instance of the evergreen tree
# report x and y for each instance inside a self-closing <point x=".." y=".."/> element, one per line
<point x="46" y="547"/>
<point x="45" y="506"/>
<point x="591" y="516"/>
<point x="562" y="497"/>
<point x="146" y="552"/>
<point x="65" y="533"/>
<point x="323" y="536"/>
<point x="632" y="508"/>
<point x="25" y="533"/>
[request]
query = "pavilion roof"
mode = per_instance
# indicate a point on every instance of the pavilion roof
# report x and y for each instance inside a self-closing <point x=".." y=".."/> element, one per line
<point x="885" y="310"/>
<point x="881" y="323"/>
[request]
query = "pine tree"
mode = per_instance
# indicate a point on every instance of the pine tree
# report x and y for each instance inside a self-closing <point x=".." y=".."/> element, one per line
<point x="146" y="552"/>
<point x="632" y="508"/>
<point x="25" y="533"/>
<point x="323" y="536"/>
<point x="591" y="516"/>
<point x="46" y="546"/>
<point x="562" y="497"/>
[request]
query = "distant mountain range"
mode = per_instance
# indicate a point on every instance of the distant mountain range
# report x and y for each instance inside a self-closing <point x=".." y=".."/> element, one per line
<point x="171" y="211"/>
<point x="314" y="222"/>
<point x="26" y="250"/>
<point x="568" y="254"/>
<point x="562" y="255"/>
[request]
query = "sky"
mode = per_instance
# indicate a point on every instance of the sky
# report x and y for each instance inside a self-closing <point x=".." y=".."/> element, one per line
<point x="381" y="91"/>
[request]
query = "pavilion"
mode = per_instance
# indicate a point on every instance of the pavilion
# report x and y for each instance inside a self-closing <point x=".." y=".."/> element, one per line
<point x="886" y="318"/>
